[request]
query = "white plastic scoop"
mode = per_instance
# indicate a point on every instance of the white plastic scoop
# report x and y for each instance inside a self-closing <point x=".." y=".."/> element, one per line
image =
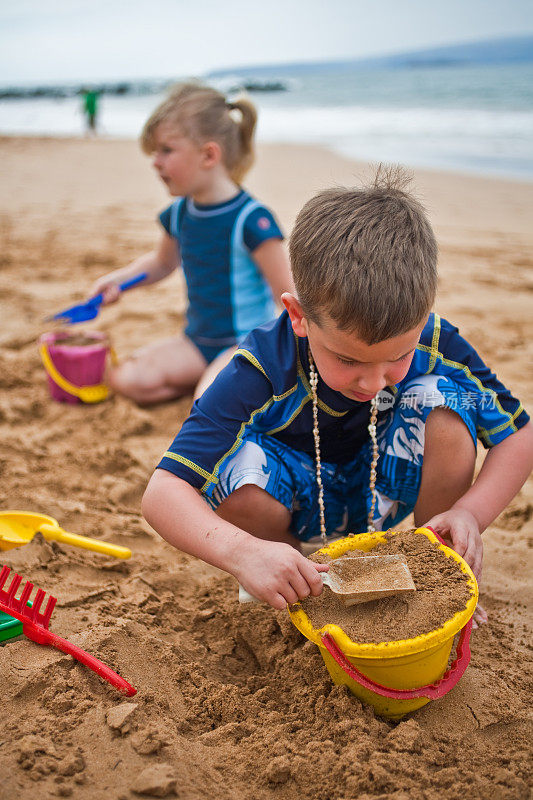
<point x="358" y="579"/>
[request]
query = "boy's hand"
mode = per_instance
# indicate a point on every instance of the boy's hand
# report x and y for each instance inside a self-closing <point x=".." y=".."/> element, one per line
<point x="461" y="528"/>
<point x="276" y="573"/>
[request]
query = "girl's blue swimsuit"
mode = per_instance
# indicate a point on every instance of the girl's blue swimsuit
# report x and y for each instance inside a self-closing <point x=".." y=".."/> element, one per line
<point x="228" y="295"/>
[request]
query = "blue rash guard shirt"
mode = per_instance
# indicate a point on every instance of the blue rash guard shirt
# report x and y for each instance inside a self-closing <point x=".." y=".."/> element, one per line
<point x="265" y="390"/>
<point x="228" y="295"/>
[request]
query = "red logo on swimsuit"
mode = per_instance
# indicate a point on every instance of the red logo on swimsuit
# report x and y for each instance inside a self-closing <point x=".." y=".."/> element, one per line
<point x="263" y="223"/>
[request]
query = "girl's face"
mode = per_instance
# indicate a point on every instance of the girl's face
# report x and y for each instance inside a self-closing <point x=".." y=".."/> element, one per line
<point x="179" y="162"/>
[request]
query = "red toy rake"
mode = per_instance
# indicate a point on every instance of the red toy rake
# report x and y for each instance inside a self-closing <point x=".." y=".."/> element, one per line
<point x="35" y="627"/>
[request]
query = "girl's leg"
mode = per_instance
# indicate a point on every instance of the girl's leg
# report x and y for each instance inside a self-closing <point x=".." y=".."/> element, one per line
<point x="212" y="371"/>
<point x="160" y="371"/>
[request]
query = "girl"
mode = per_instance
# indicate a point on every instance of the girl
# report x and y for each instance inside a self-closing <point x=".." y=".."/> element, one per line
<point x="230" y="246"/>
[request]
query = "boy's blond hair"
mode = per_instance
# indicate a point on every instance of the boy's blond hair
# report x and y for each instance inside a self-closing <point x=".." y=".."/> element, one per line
<point x="202" y="114"/>
<point x="366" y="257"/>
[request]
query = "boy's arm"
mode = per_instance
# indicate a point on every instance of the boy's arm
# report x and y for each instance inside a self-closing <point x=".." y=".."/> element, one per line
<point x="157" y="265"/>
<point x="271" y="571"/>
<point x="273" y="261"/>
<point x="505" y="469"/>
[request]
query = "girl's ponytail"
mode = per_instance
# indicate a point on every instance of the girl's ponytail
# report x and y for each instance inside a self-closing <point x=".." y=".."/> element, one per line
<point x="247" y="124"/>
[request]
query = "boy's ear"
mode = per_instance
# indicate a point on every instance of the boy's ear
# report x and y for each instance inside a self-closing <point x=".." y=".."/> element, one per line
<point x="212" y="154"/>
<point x="298" y="320"/>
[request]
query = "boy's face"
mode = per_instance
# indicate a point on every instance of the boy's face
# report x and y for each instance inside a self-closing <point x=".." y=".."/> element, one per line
<point x="346" y="363"/>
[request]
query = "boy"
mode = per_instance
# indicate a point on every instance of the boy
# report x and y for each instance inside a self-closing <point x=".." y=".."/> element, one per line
<point x="364" y="267"/>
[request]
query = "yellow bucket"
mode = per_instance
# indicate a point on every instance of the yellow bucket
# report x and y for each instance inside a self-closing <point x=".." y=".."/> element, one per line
<point x="401" y="676"/>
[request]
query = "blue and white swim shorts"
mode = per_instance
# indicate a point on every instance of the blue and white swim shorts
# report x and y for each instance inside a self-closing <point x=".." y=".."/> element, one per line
<point x="289" y="475"/>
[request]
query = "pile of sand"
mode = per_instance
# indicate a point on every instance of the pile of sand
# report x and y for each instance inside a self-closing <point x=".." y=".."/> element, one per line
<point x="232" y="701"/>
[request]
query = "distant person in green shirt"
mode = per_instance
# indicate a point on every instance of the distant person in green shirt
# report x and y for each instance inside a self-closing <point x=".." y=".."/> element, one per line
<point x="90" y="108"/>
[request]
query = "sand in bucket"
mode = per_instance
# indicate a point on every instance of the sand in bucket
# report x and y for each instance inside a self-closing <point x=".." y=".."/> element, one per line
<point x="79" y="360"/>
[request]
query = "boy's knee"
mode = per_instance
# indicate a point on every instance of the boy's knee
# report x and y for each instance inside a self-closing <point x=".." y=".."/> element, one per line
<point x="247" y="498"/>
<point x="449" y="452"/>
<point x="253" y="504"/>
<point x="445" y="429"/>
<point x="449" y="463"/>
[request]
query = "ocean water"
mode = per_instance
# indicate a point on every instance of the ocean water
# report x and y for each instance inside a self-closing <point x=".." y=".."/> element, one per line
<point x="467" y="118"/>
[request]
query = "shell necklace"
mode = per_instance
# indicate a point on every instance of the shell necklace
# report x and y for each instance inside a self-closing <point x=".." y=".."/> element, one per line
<point x="313" y="382"/>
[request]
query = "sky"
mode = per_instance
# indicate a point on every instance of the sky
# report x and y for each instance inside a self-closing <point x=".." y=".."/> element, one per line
<point x="63" y="41"/>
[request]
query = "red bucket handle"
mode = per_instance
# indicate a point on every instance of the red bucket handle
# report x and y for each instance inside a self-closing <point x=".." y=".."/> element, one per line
<point x="434" y="532"/>
<point x="432" y="691"/>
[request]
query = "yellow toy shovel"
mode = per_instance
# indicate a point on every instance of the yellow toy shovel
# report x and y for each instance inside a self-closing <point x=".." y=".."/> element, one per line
<point x="19" y="527"/>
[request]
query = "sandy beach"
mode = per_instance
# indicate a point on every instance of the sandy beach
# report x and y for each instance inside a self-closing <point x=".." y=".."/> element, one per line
<point x="232" y="702"/>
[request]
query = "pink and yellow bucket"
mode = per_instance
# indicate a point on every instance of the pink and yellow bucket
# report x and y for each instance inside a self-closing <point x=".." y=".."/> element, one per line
<point x="75" y="372"/>
<point x="400" y="676"/>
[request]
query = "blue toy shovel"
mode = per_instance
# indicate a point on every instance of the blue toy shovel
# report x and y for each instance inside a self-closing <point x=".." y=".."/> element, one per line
<point x="90" y="309"/>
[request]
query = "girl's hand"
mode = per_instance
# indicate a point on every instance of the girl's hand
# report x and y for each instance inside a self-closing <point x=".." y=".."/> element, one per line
<point x="276" y="573"/>
<point x="108" y="288"/>
<point x="461" y="529"/>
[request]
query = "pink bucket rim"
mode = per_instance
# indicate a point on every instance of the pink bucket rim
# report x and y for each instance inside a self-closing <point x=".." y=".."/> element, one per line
<point x="53" y="340"/>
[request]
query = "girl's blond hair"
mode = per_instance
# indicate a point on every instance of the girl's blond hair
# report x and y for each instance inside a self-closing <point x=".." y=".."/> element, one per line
<point x="203" y="115"/>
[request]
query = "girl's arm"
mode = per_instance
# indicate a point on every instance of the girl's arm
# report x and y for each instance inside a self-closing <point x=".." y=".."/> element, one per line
<point x="273" y="261"/>
<point x="505" y="469"/>
<point x="157" y="265"/>
<point x="267" y="570"/>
